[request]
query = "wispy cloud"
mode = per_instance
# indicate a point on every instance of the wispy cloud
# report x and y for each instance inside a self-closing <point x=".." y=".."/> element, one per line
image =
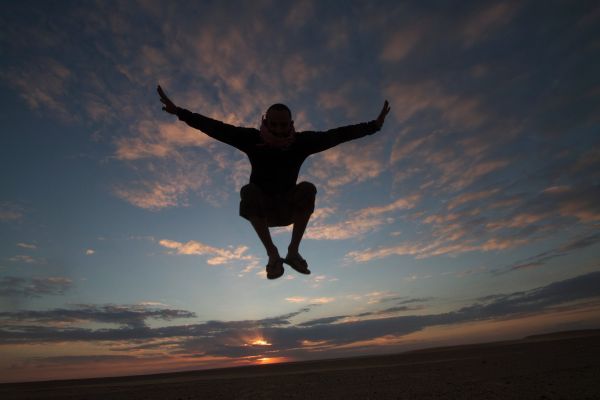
<point x="358" y="222"/>
<point x="234" y="338"/>
<point x="469" y="197"/>
<point x="457" y="109"/>
<point x="10" y="212"/>
<point x="348" y="163"/>
<point x="483" y="23"/>
<point x="29" y="246"/>
<point x="309" y="300"/>
<point x="217" y="256"/>
<point x="12" y="286"/>
<point x="129" y="316"/>
<point x="400" y="43"/>
<point x="170" y="186"/>
<point x="159" y="139"/>
<point x="25" y="258"/>
<point x="542" y="258"/>
<point x="43" y="85"/>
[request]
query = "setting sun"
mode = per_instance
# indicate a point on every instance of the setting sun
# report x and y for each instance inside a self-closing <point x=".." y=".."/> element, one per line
<point x="260" y="342"/>
<point x="271" y="360"/>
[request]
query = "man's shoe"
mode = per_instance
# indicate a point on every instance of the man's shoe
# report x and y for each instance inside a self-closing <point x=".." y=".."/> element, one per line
<point x="298" y="263"/>
<point x="275" y="270"/>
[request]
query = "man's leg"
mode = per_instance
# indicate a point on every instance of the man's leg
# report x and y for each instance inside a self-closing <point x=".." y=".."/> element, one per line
<point x="305" y="204"/>
<point x="300" y="223"/>
<point x="250" y="208"/>
<point x="262" y="230"/>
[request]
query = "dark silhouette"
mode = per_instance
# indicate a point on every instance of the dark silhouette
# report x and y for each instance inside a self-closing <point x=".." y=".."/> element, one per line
<point x="276" y="152"/>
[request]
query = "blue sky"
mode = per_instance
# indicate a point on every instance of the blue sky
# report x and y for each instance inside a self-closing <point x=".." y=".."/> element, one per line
<point x="472" y="216"/>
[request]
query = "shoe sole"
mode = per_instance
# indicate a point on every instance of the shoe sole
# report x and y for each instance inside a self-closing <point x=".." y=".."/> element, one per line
<point x="302" y="271"/>
<point x="279" y="272"/>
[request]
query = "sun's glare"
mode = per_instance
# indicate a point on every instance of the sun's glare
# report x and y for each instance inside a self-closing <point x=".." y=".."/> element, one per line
<point x="260" y="342"/>
<point x="271" y="360"/>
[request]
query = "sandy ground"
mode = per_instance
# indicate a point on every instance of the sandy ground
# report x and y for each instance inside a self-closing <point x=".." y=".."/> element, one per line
<point x="559" y="366"/>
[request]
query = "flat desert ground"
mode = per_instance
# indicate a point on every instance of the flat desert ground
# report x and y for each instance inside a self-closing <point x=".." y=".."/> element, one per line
<point x="555" y="366"/>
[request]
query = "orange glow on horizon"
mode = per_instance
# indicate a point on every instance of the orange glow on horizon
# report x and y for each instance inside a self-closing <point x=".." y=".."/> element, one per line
<point x="260" y="342"/>
<point x="271" y="360"/>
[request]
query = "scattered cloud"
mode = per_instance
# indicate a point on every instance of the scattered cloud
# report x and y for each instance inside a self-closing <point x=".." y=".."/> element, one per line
<point x="456" y="109"/>
<point x="358" y="222"/>
<point x="348" y="163"/>
<point x="159" y="139"/>
<point x="399" y="45"/>
<point x="469" y="197"/>
<point x="24" y="258"/>
<point x="43" y="85"/>
<point x="169" y="187"/>
<point x="236" y="338"/>
<point x="483" y="23"/>
<point x="542" y="258"/>
<point x="218" y="256"/>
<point x="126" y="316"/>
<point x="314" y="300"/>
<point x="10" y="212"/>
<point x="12" y="286"/>
<point x="29" y="246"/>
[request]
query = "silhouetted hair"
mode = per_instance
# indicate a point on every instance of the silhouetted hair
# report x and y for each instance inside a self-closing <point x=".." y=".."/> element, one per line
<point x="280" y="107"/>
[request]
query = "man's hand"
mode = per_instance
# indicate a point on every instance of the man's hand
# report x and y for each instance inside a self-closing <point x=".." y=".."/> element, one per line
<point x="169" y="107"/>
<point x="384" y="111"/>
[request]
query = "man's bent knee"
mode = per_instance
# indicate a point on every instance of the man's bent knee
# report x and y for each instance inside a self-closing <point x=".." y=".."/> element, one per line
<point x="306" y="188"/>
<point x="250" y="203"/>
<point x="305" y="199"/>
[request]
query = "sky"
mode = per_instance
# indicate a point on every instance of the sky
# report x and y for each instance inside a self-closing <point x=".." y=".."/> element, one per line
<point x="472" y="216"/>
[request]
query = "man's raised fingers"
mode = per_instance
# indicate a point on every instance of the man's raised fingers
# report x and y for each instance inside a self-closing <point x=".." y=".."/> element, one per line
<point x="161" y="93"/>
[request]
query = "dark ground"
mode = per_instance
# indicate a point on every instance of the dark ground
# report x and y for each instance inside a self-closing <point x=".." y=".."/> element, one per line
<point x="556" y="366"/>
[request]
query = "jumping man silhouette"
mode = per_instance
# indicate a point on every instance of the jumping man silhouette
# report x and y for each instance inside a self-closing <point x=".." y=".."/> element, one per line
<point x="276" y="153"/>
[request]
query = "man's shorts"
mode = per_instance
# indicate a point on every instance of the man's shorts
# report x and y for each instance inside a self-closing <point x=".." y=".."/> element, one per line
<point x="278" y="209"/>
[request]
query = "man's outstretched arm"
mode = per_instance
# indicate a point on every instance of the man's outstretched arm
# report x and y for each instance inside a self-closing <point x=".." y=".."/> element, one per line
<point x="384" y="112"/>
<point x="333" y="137"/>
<point x="221" y="131"/>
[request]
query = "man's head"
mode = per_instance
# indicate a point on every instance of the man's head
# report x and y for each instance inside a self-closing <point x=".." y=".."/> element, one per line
<point x="279" y="120"/>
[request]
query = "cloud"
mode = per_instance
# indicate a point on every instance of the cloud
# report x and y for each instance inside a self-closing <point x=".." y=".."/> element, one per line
<point x="218" y="256"/>
<point x="437" y="247"/>
<point x="10" y="212"/>
<point x="488" y="220"/>
<point x="170" y="186"/>
<point x="29" y="246"/>
<point x="399" y="45"/>
<point x="300" y="14"/>
<point x="459" y="110"/>
<point x="127" y="316"/>
<point x="349" y="163"/>
<point x="12" y="286"/>
<point x="314" y="300"/>
<point x="83" y="359"/>
<point x="24" y="258"/>
<point x="485" y="22"/>
<point x="43" y="85"/>
<point x="159" y="139"/>
<point x="358" y="222"/>
<point x="296" y="299"/>
<point x="236" y="338"/>
<point x="469" y="197"/>
<point x="542" y="258"/>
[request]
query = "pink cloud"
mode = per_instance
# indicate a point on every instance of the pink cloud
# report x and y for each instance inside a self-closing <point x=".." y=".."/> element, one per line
<point x="157" y="139"/>
<point x="469" y="197"/>
<point x="402" y="42"/>
<point x="486" y="21"/>
<point x="218" y="256"/>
